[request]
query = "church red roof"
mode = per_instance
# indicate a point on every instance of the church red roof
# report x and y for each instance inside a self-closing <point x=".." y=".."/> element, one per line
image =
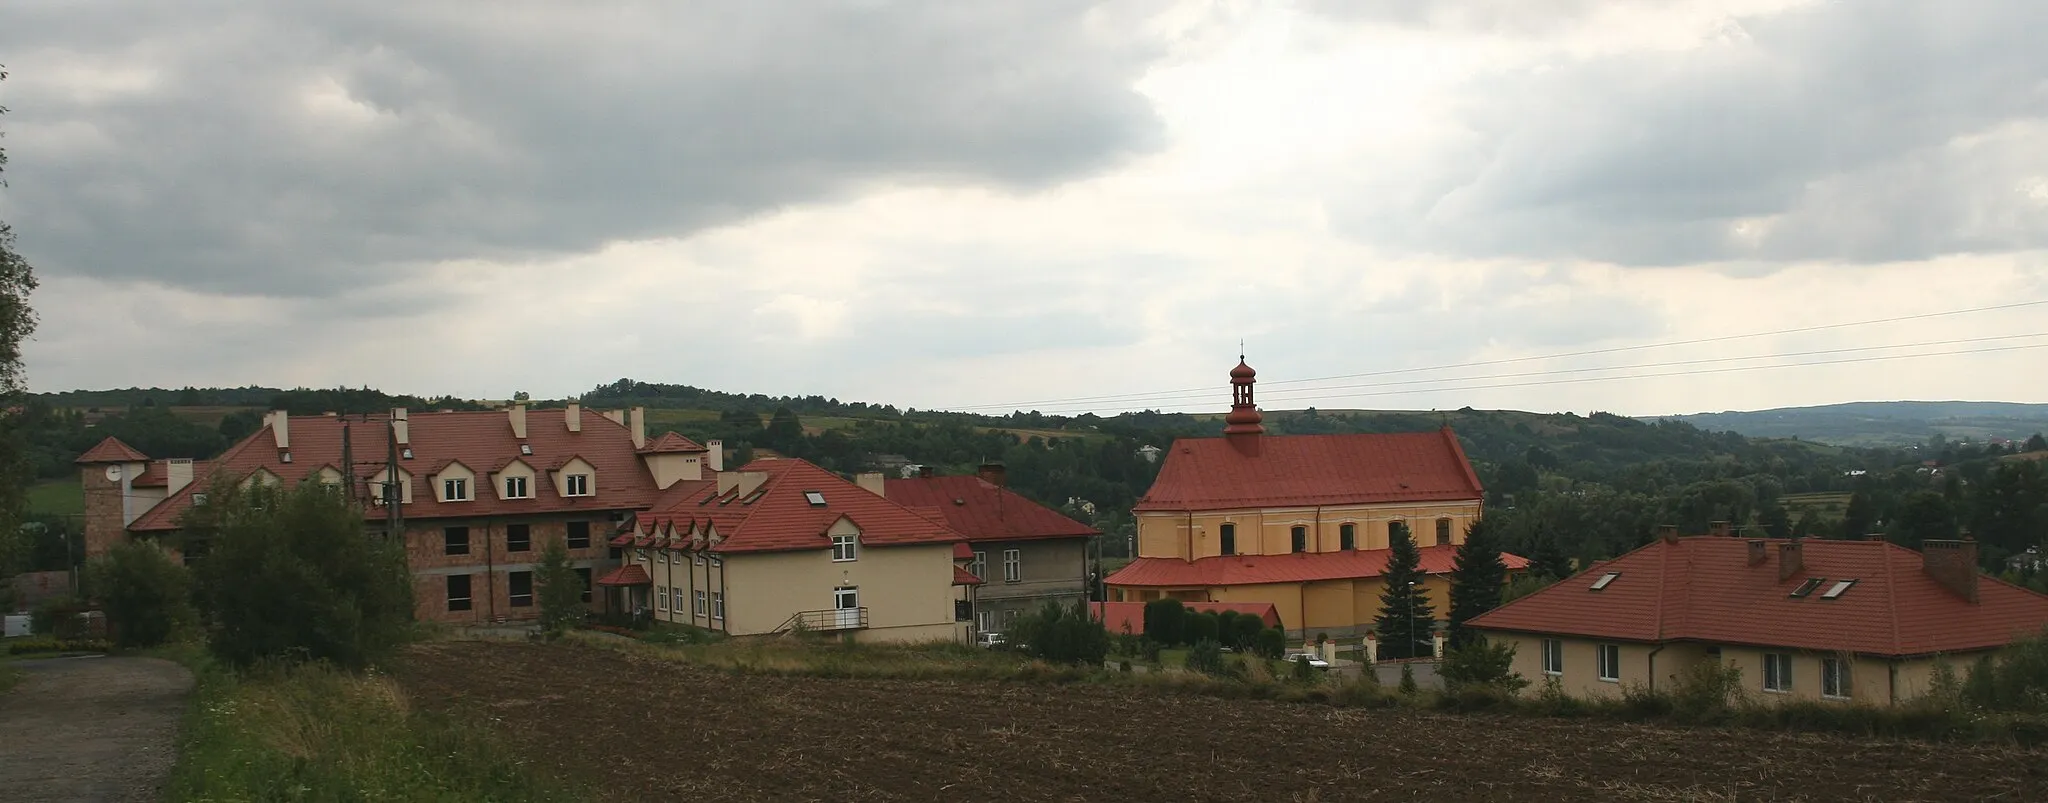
<point x="1706" y="588"/>
<point x="111" y="450"/>
<point x="1297" y="470"/>
<point x="983" y="511"/>
<point x="1297" y="567"/>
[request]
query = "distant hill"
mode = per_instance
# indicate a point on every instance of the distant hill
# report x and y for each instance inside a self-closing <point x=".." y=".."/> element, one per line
<point x="1898" y="423"/>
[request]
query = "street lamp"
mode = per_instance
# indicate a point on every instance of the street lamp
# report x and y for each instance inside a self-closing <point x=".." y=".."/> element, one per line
<point x="1411" y="619"/>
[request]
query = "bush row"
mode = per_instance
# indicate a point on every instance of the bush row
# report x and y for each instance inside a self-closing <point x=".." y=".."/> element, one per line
<point x="43" y="644"/>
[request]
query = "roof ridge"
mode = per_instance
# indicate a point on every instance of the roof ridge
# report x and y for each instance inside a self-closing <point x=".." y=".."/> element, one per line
<point x="1464" y="462"/>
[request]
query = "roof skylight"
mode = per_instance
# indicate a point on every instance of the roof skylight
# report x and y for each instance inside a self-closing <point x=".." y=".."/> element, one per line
<point x="1807" y="587"/>
<point x="1839" y="587"/>
<point x="526" y="448"/>
<point x="816" y="498"/>
<point x="1604" y="581"/>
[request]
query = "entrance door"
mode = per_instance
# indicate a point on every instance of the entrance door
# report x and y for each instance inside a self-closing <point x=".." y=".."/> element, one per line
<point x="847" y="601"/>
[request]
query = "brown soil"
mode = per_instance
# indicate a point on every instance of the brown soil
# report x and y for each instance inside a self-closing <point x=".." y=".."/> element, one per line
<point x="90" y="729"/>
<point x="640" y="728"/>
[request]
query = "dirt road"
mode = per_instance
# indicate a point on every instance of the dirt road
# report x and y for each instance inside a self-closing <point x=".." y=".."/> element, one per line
<point x="90" y="729"/>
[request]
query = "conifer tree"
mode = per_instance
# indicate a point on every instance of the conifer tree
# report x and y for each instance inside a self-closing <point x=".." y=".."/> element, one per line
<point x="1406" y="623"/>
<point x="1546" y="560"/>
<point x="1477" y="577"/>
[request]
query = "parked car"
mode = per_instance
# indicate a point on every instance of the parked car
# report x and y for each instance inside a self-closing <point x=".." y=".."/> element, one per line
<point x="991" y="640"/>
<point x="1314" y="661"/>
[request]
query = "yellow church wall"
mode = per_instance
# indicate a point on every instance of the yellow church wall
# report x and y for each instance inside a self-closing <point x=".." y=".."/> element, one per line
<point x="1270" y="531"/>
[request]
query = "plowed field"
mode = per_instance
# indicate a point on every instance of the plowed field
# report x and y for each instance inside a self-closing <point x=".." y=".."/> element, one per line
<point x="643" y="728"/>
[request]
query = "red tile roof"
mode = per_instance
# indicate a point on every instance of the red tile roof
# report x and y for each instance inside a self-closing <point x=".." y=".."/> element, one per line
<point x="1129" y="617"/>
<point x="1704" y="589"/>
<point x="631" y="574"/>
<point x="481" y="441"/>
<point x="1298" y="567"/>
<point x="983" y="511"/>
<point x="156" y="475"/>
<point x="1286" y="470"/>
<point x="671" y="442"/>
<point x="963" y="577"/>
<point x="779" y="517"/>
<point x="961" y="551"/>
<point x="111" y="450"/>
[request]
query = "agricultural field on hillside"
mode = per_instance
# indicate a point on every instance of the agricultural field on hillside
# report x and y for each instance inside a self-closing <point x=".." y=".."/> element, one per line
<point x="1828" y="506"/>
<point x="641" y="726"/>
<point x="61" y="497"/>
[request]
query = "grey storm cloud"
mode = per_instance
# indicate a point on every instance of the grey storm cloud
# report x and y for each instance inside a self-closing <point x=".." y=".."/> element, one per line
<point x="302" y="148"/>
<point x="1854" y="132"/>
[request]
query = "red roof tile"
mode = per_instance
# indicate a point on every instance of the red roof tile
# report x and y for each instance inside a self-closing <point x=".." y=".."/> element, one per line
<point x="671" y="442"/>
<point x="111" y="450"/>
<point x="983" y="511"/>
<point x="156" y="474"/>
<point x="778" y="516"/>
<point x="1298" y="567"/>
<point x="1704" y="589"/>
<point x="631" y="574"/>
<point x="961" y="551"/>
<point x="1129" y="617"/>
<point x="963" y="577"/>
<point x="481" y="441"/>
<point x="1285" y="470"/>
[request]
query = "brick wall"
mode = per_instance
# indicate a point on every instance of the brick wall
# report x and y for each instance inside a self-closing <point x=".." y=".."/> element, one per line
<point x="103" y="525"/>
<point x="490" y="563"/>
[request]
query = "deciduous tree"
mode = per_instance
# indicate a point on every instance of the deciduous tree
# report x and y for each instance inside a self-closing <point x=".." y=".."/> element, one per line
<point x="561" y="589"/>
<point x="17" y="321"/>
<point x="146" y="595"/>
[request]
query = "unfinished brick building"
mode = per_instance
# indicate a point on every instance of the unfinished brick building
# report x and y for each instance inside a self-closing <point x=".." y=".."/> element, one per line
<point x="481" y="493"/>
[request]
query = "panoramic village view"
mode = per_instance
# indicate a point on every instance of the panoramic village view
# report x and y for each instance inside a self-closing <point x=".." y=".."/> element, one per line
<point x="1160" y="400"/>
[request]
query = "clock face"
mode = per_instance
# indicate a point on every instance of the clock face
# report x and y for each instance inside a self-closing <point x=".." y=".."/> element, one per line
<point x="114" y="473"/>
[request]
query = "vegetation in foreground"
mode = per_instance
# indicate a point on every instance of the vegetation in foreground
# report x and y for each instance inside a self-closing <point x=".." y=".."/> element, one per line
<point x="313" y="732"/>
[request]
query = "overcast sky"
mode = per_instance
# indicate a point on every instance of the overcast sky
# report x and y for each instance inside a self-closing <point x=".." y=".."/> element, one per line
<point x="953" y="204"/>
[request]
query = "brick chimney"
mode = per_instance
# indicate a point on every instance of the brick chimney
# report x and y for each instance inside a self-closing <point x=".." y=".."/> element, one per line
<point x="1758" y="552"/>
<point x="994" y="474"/>
<point x="1953" y="564"/>
<point x="1720" y="528"/>
<point x="1791" y="559"/>
<point x="1668" y="532"/>
<point x="872" y="482"/>
<point x="573" y="416"/>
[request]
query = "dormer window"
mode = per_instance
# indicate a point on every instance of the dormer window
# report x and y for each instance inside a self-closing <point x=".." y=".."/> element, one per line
<point x="515" y="488"/>
<point x="406" y="453"/>
<point x="455" y="490"/>
<point x="844" y="548"/>
<point x="284" y="457"/>
<point x="577" y="485"/>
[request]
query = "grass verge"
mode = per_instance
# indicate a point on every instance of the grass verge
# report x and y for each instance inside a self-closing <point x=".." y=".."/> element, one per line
<point x="313" y="733"/>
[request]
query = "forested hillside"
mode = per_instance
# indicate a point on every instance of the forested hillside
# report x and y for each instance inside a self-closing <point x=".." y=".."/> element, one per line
<point x="1900" y="423"/>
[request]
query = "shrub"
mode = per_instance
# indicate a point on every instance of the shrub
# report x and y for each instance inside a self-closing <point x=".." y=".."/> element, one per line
<point x="1362" y="691"/>
<point x="291" y="576"/>
<point x="1408" y="687"/>
<point x="1641" y="702"/>
<point x="1551" y="700"/>
<point x="146" y="595"/>
<point x="1482" y="664"/>
<point x="58" y="617"/>
<point x="1272" y="642"/>
<point x="559" y="587"/>
<point x="1163" y="621"/>
<point x="1304" y="673"/>
<point x="1200" y="627"/>
<point x="1151" y="652"/>
<point x="1247" y="630"/>
<point x="1061" y="635"/>
<point x="2016" y="680"/>
<point x="1206" y="657"/>
<point x="1706" y="692"/>
<point x="42" y="644"/>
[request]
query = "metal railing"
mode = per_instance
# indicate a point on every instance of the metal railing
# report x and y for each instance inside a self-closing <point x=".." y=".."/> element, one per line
<point x="826" y="620"/>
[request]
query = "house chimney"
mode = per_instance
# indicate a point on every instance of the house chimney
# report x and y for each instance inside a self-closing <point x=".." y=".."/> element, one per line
<point x="517" y="413"/>
<point x="1953" y="564"/>
<point x="1668" y="532"/>
<point x="573" y="417"/>
<point x="994" y="474"/>
<point x="636" y="420"/>
<point x="924" y="472"/>
<point x="401" y="428"/>
<point x="615" y="416"/>
<point x="1758" y="552"/>
<point x="714" y="457"/>
<point x="1720" y="528"/>
<point x="177" y="474"/>
<point x="281" y="428"/>
<point x="871" y="481"/>
<point x="1791" y="559"/>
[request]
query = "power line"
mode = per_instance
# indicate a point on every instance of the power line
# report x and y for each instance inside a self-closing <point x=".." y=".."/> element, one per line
<point x="1591" y="352"/>
<point x="1736" y="369"/>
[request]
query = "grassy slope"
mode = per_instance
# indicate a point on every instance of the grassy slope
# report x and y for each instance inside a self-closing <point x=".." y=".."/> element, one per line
<point x="61" y="497"/>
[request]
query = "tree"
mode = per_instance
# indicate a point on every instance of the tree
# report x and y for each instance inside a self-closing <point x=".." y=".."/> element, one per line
<point x="1777" y="521"/>
<point x="2036" y="444"/>
<point x="1547" y="560"/>
<point x="1477" y="577"/>
<point x="1272" y="642"/>
<point x="560" y="587"/>
<point x="1248" y="629"/>
<point x="1060" y="634"/>
<point x="1481" y="663"/>
<point x="17" y="322"/>
<point x="146" y="595"/>
<point x="1163" y="621"/>
<point x="1861" y="518"/>
<point x="1406" y="624"/>
<point x="1924" y="516"/>
<point x="290" y="575"/>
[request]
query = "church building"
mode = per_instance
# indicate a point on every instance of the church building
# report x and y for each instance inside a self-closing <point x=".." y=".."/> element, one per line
<point x="1299" y="521"/>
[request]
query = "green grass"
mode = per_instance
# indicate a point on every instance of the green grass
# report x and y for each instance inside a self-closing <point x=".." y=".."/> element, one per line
<point x="60" y="497"/>
<point x="317" y="734"/>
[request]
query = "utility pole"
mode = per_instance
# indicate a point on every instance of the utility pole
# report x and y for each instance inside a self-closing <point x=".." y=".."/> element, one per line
<point x="394" y="519"/>
<point x="348" y="464"/>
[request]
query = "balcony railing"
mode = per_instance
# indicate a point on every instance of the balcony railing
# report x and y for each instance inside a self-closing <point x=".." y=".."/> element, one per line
<point x="827" y="620"/>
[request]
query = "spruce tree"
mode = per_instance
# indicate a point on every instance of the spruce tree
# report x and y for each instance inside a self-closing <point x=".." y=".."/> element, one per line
<point x="1477" y="577"/>
<point x="1406" y="623"/>
<point x="1546" y="560"/>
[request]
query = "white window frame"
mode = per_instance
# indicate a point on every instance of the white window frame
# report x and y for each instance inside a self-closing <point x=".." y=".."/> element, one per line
<point x="1778" y="672"/>
<point x="845" y="548"/>
<point x="455" y="489"/>
<point x="1834" y="672"/>
<point x="525" y="488"/>
<point x="985" y="621"/>
<point x="1610" y="663"/>
<point x="577" y="485"/>
<point x="979" y="566"/>
<point x="718" y="606"/>
<point x="1013" y="565"/>
<point x="1553" y="656"/>
<point x="661" y="598"/>
<point x="697" y="559"/>
<point x="698" y="605"/>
